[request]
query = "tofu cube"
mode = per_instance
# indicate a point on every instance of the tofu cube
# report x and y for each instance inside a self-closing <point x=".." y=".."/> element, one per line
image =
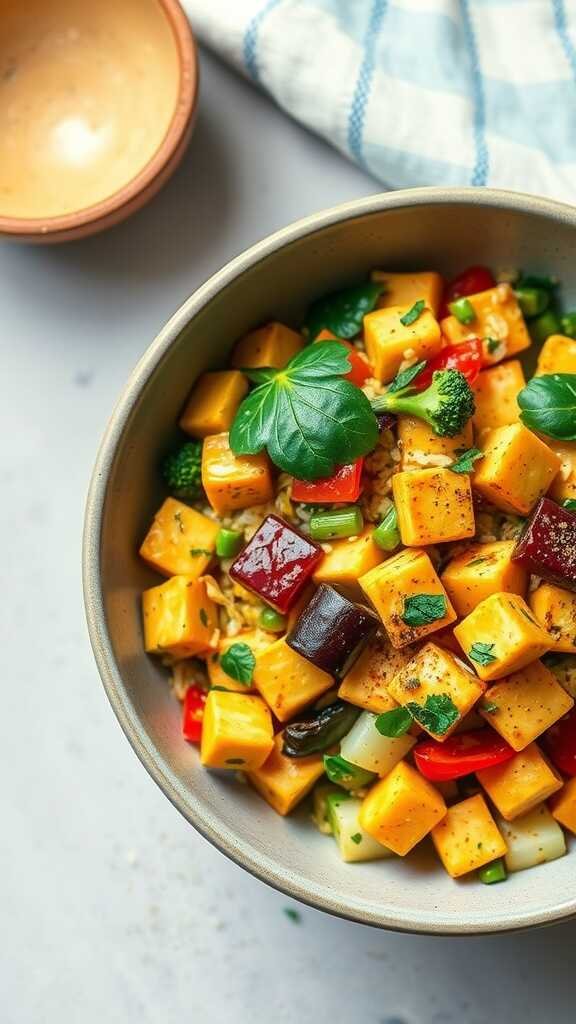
<point x="349" y="559"/>
<point x="287" y="681"/>
<point x="516" y="470"/>
<point x="406" y="289"/>
<point x="285" y="781"/>
<point x="256" y="639"/>
<point x="498" y="322"/>
<point x="482" y="570"/>
<point x="495" y="395"/>
<point x="420" y="446"/>
<point x="557" y="355"/>
<point x="563" y="805"/>
<point x="528" y="702"/>
<point x="214" y="402"/>
<point x="521" y="783"/>
<point x="236" y="731"/>
<point x="535" y="838"/>
<point x="391" y="585"/>
<point x="434" y="671"/>
<point x="555" y="609"/>
<point x="389" y="343"/>
<point x="366" y="683"/>
<point x="433" y="505"/>
<point x="467" y="837"/>
<point x="501" y="636"/>
<point x="180" y="542"/>
<point x="564" y="484"/>
<point x="234" y="481"/>
<point x="354" y="844"/>
<point x="366" y="747"/>
<point x="271" y="345"/>
<point x="179" y="618"/>
<point x="401" y="809"/>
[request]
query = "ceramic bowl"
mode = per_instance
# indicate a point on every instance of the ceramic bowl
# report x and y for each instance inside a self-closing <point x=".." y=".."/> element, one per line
<point x="96" y="109"/>
<point x="422" y="229"/>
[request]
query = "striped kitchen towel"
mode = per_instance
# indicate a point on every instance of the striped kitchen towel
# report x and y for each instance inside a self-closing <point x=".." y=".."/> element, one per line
<point x="418" y="92"/>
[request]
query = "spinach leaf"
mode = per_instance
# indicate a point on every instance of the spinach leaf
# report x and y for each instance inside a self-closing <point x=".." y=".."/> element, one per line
<point x="238" y="662"/>
<point x="343" y="312"/>
<point x="548" y="405"/>
<point x="423" y="609"/>
<point x="308" y="418"/>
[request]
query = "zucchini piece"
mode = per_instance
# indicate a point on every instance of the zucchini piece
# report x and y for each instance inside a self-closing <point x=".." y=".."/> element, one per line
<point x="532" y="839"/>
<point x="354" y="844"/>
<point x="319" y="806"/>
<point x="366" y="747"/>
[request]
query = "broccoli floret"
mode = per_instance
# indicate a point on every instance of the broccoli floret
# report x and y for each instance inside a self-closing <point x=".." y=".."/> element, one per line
<point x="447" y="404"/>
<point x="182" y="471"/>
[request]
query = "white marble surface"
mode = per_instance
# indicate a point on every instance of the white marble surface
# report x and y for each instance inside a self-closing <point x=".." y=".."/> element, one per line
<point x="112" y="908"/>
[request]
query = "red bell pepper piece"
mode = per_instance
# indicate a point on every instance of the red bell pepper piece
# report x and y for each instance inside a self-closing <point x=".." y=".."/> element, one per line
<point x="360" y="367"/>
<point x="560" y="743"/>
<point x="193" y="713"/>
<point x="469" y="282"/>
<point x="344" y="485"/>
<point x="466" y="357"/>
<point x="461" y="755"/>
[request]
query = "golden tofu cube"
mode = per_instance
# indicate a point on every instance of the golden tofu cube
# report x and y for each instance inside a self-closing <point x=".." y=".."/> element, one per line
<point x="432" y="672"/>
<point x="287" y="681"/>
<point x="501" y="636"/>
<point x="555" y="609"/>
<point x="390" y="586"/>
<point x="256" y="639"/>
<point x="495" y="395"/>
<point x="421" y="447"/>
<point x="271" y="345"/>
<point x="498" y="322"/>
<point x="389" y="343"/>
<point x="285" y="781"/>
<point x="467" y="837"/>
<point x="557" y="355"/>
<point x="482" y="570"/>
<point x="564" y="484"/>
<point x="433" y="505"/>
<point x="563" y="805"/>
<point x="406" y="289"/>
<point x="236" y="731"/>
<point x="349" y="559"/>
<point x="516" y="470"/>
<point x="527" y="703"/>
<point x="179" y="618"/>
<point x="214" y="402"/>
<point x="181" y="541"/>
<point x="516" y="786"/>
<point x="234" y="481"/>
<point x="366" y="683"/>
<point x="401" y="809"/>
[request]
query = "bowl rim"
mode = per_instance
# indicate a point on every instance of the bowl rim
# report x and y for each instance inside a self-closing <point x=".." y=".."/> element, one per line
<point x="261" y="865"/>
<point x="50" y="228"/>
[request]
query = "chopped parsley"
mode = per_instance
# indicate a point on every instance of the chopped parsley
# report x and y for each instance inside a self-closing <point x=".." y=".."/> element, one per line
<point x="203" y="616"/>
<point x="413" y="313"/>
<point x="292" y="915"/>
<point x="423" y="609"/>
<point x="492" y="344"/>
<point x="356" y="838"/>
<point x="405" y="377"/>
<point x="476" y="561"/>
<point x="482" y="653"/>
<point x="489" y="707"/>
<point x="437" y="714"/>
<point x="465" y="462"/>
<point x="199" y="551"/>
<point x="238" y="662"/>
<point x="178" y="518"/>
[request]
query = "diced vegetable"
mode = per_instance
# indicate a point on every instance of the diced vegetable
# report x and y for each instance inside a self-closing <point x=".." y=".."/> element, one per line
<point x="563" y="805"/>
<point x="533" y="839"/>
<point x="467" y="838"/>
<point x="420" y="445"/>
<point x="213" y="403"/>
<point x="435" y="672"/>
<point x="276" y="563"/>
<point x="387" y="534"/>
<point x="401" y="809"/>
<point x="469" y="282"/>
<point x="496" y="395"/>
<point x="482" y="570"/>
<point x="387" y="338"/>
<point x="285" y="781"/>
<point x="236" y="731"/>
<point x="179" y="618"/>
<point x="494" y="872"/>
<point x="463" y="310"/>
<point x="406" y="289"/>
<point x="336" y="523"/>
<point x="568" y="324"/>
<point x="510" y="706"/>
<point x="182" y="471"/>
<point x="433" y="505"/>
<point x="228" y="543"/>
<point x="517" y="785"/>
<point x="545" y="325"/>
<point x="460" y="755"/>
<point x="354" y="844"/>
<point x="233" y="481"/>
<point x="498" y="322"/>
<point x="365" y="684"/>
<point x="532" y="301"/>
<point x="343" y="485"/>
<point x="272" y="345"/>
<point x="180" y="542"/>
<point x="365" y="747"/>
<point x="555" y="609"/>
<point x="501" y="636"/>
<point x="320" y="730"/>
<point x="348" y="559"/>
<point x="193" y="713"/>
<point x="446" y="405"/>
<point x="344" y="773"/>
<point x="287" y="681"/>
<point x="272" y="621"/>
<point x="516" y="470"/>
<point x="547" y="545"/>
<point x="557" y="355"/>
<point x="332" y="630"/>
<point x="560" y="743"/>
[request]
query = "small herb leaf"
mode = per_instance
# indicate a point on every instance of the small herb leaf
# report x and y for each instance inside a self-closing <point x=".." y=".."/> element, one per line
<point x="199" y="551"/>
<point x="423" y="609"/>
<point x="356" y="838"/>
<point x="437" y="714"/>
<point x="570" y="504"/>
<point x="482" y="653"/>
<point x="493" y="344"/>
<point x="394" y="723"/>
<point x="238" y="662"/>
<point x="465" y="463"/>
<point x="203" y="616"/>
<point x="548" y="405"/>
<point x="405" y="377"/>
<point x="343" y="312"/>
<point x="488" y="707"/>
<point x="413" y="313"/>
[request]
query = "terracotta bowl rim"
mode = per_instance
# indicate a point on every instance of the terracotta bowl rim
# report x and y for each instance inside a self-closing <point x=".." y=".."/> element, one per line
<point x="184" y="108"/>
<point x="197" y="810"/>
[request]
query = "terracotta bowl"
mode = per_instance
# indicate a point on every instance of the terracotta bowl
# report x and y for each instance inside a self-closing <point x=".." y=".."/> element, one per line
<point x="96" y="109"/>
<point x="444" y="229"/>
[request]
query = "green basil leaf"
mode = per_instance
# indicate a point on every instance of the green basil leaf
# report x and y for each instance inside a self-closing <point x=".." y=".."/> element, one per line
<point x="465" y="463"/>
<point x="423" y="609"/>
<point x="307" y="416"/>
<point x="343" y="312"/>
<point x="548" y="405"/>
<point x="482" y="653"/>
<point x="394" y="723"/>
<point x="238" y="662"/>
<point x="413" y="313"/>
<point x="405" y="377"/>
<point x="260" y="374"/>
<point x="437" y="714"/>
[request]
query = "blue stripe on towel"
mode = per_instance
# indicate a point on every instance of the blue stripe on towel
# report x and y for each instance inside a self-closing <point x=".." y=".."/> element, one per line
<point x="480" y="171"/>
<point x="250" y="43"/>
<point x="364" y="82"/>
<point x="561" y="23"/>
